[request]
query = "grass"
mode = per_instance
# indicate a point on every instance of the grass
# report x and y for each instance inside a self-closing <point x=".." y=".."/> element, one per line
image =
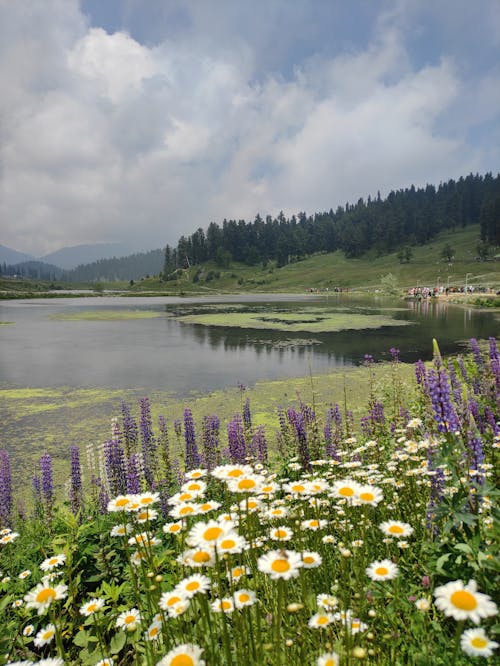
<point x="355" y="542"/>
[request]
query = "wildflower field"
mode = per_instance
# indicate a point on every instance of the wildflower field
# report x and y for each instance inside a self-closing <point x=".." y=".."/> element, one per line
<point x="329" y="542"/>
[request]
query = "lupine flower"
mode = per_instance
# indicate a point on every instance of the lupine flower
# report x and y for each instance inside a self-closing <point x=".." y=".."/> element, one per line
<point x="148" y="442"/>
<point x="236" y="440"/>
<point x="47" y="486"/>
<point x="129" y="430"/>
<point x="114" y="459"/>
<point x="6" y="503"/>
<point x="76" y="490"/>
<point x="192" y="455"/>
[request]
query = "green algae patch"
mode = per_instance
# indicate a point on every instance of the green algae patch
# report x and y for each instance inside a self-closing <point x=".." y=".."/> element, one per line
<point x="298" y="321"/>
<point x="4" y="323"/>
<point x="107" y="315"/>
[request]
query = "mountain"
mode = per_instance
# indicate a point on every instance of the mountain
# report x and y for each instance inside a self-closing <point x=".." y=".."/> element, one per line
<point x="10" y="256"/>
<point x="71" y="257"/>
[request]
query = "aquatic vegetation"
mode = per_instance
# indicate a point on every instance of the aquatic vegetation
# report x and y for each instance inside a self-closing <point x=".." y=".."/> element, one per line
<point x="107" y="315"/>
<point x="334" y="539"/>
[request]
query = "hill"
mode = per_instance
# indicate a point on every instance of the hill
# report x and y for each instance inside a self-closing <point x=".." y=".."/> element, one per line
<point x="71" y="257"/>
<point x="10" y="256"/>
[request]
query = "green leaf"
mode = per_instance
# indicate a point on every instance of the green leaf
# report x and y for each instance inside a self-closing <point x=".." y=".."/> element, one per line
<point x="81" y="639"/>
<point x="117" y="642"/>
<point x="464" y="548"/>
<point x="440" y="561"/>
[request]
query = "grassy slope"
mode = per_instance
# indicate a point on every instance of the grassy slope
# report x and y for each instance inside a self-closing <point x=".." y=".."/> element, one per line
<point x="334" y="270"/>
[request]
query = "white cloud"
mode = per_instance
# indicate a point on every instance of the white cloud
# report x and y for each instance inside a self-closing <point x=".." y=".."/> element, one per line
<point x="106" y="139"/>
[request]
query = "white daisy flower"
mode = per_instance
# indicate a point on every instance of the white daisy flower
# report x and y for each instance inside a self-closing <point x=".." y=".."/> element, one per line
<point x="187" y="654"/>
<point x="476" y="643"/>
<point x="311" y="560"/>
<point x="169" y="599"/>
<point x="119" y="503"/>
<point x="24" y="574"/>
<point x="464" y="602"/>
<point x="193" y="585"/>
<point x="153" y="632"/>
<point x="320" y="620"/>
<point x="128" y="620"/>
<point x="45" y="635"/>
<point x="225" y="605"/>
<point x="382" y="570"/>
<point x="53" y="562"/>
<point x="244" y="598"/>
<point x="41" y="596"/>
<point x="396" y="529"/>
<point x="121" y="530"/>
<point x="280" y="533"/>
<point x="280" y="564"/>
<point x="328" y="659"/>
<point x="91" y="607"/>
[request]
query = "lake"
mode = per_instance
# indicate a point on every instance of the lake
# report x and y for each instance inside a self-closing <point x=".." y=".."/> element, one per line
<point x="43" y="348"/>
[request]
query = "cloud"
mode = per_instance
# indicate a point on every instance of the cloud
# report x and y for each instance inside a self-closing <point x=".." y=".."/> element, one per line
<point x="105" y="138"/>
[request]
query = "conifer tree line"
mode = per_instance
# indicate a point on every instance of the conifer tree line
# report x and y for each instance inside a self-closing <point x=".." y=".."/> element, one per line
<point x="406" y="217"/>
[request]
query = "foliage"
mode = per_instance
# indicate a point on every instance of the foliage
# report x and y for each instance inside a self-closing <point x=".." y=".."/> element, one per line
<point x="345" y="540"/>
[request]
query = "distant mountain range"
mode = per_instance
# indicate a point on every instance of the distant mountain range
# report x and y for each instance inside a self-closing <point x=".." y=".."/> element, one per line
<point x="68" y="257"/>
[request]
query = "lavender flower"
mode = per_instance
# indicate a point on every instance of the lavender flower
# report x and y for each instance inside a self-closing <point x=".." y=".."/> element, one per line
<point x="192" y="454"/>
<point x="236" y="440"/>
<point x="6" y="503"/>
<point x="76" y="490"/>
<point x="133" y="474"/>
<point x="298" y="422"/>
<point x="444" y="411"/>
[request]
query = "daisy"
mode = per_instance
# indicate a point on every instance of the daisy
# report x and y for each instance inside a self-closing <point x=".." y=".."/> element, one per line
<point x="51" y="661"/>
<point x="195" y="473"/>
<point x="244" y="598"/>
<point x="269" y="488"/>
<point x="108" y="661"/>
<point x="311" y="560"/>
<point x="276" y="513"/>
<point x="231" y="471"/>
<point x="250" y="504"/>
<point x="91" y="607"/>
<point x="192" y="585"/>
<point x="121" y="530"/>
<point x="370" y="495"/>
<point x="382" y="570"/>
<point x="119" y="503"/>
<point x="53" y="562"/>
<point x="327" y="601"/>
<point x="423" y="604"/>
<point x="194" y="486"/>
<point x="138" y="557"/>
<point x="225" y="605"/>
<point x="328" y="659"/>
<point x="281" y="533"/>
<point x="41" y="596"/>
<point x="144" y="539"/>
<point x="314" y="524"/>
<point x="198" y="557"/>
<point x="28" y="630"/>
<point x="345" y="489"/>
<point x="280" y="564"/>
<point x="464" y="602"/>
<point x="297" y="488"/>
<point x="476" y="643"/>
<point x="184" y="510"/>
<point x="169" y="599"/>
<point x="396" y="529"/>
<point x="7" y="538"/>
<point x="184" y="496"/>
<point x="187" y="654"/>
<point x="248" y="483"/>
<point x="238" y="572"/>
<point x="146" y="499"/>
<point x="204" y="534"/>
<point x="320" y="620"/>
<point x="128" y="620"/>
<point x="17" y="603"/>
<point x="231" y="542"/>
<point x="209" y="506"/>
<point x="172" y="528"/>
<point x="45" y="635"/>
<point x="153" y="632"/>
<point x="146" y="515"/>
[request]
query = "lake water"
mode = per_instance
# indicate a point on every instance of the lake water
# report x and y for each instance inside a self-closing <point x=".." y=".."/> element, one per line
<point x="162" y="353"/>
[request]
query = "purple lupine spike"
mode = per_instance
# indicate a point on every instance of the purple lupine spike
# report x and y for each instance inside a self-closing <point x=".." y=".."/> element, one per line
<point x="259" y="444"/>
<point x="247" y="415"/>
<point x="133" y="474"/>
<point x="114" y="460"/>
<point x="164" y="446"/>
<point x="6" y="502"/>
<point x="456" y="386"/>
<point x="178" y="427"/>
<point x="47" y="485"/>
<point x="475" y="455"/>
<point x="236" y="440"/>
<point x="476" y="352"/>
<point x="37" y="490"/>
<point x="130" y="430"/>
<point x="76" y="489"/>
<point x="282" y="421"/>
<point x="444" y="412"/>
<point x="148" y="442"/>
<point x="421" y="376"/>
<point x="463" y="370"/>
<point x="495" y="366"/>
<point x="474" y="410"/>
<point x="211" y="427"/>
<point x="192" y="454"/>
<point x="489" y="417"/>
<point x="334" y="431"/>
<point x="303" y="448"/>
<point x="394" y="354"/>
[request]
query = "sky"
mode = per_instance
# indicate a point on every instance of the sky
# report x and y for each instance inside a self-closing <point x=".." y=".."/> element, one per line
<point x="137" y="121"/>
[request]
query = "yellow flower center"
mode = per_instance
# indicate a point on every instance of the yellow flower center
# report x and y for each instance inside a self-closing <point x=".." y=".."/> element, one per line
<point x="280" y="534"/>
<point x="238" y="571"/>
<point x="91" y="608"/>
<point x="323" y="620"/>
<point x="153" y="631"/>
<point x="226" y="605"/>
<point x="201" y="556"/>
<point x="123" y="501"/>
<point x="227" y="543"/>
<point x="252" y="504"/>
<point x="463" y="600"/>
<point x="329" y="662"/>
<point x="367" y="497"/>
<point x="47" y="634"/>
<point x="205" y="507"/>
<point x="479" y="642"/>
<point x="235" y="473"/>
<point x="185" y="496"/>
<point x="313" y="523"/>
<point x="173" y="600"/>
<point x="298" y="488"/>
<point x="246" y="484"/>
<point x="192" y="586"/>
<point x="146" y="500"/>
<point x="381" y="571"/>
<point x="194" y="486"/>
<point x="182" y="660"/>
<point x="267" y="489"/>
<point x="309" y="560"/>
<point x="174" y="528"/>
<point x="185" y="510"/>
<point x="129" y="619"/>
<point x="280" y="566"/>
<point x="212" y="533"/>
<point x="395" y="529"/>
<point x="345" y="491"/>
<point x="244" y="597"/>
<point x="47" y="594"/>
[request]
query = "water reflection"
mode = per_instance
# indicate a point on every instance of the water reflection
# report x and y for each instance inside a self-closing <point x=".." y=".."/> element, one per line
<point x="163" y="353"/>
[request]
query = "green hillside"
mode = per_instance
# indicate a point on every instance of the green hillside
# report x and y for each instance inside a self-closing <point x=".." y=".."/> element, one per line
<point x="327" y="271"/>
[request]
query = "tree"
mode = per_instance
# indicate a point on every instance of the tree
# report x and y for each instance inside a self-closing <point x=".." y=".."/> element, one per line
<point x="405" y="254"/>
<point x="483" y="250"/>
<point x="448" y="253"/>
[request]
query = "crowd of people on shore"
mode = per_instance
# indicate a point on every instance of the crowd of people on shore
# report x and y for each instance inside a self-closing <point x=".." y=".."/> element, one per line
<point x="420" y="293"/>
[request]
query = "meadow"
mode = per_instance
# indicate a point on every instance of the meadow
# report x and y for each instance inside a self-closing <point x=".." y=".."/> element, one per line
<point x="363" y="533"/>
